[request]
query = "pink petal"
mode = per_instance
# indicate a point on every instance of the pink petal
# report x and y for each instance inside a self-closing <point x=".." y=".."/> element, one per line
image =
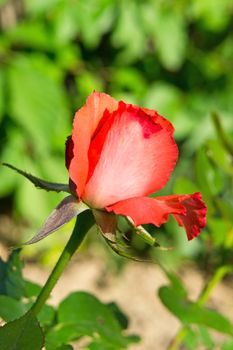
<point x="135" y="158"/>
<point x="145" y="210"/>
<point x="85" y="123"/>
<point x="188" y="210"/>
<point x="157" y="118"/>
<point x="195" y="218"/>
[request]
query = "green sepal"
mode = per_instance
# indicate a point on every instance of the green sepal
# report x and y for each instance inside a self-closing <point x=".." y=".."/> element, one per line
<point x="66" y="210"/>
<point x="39" y="183"/>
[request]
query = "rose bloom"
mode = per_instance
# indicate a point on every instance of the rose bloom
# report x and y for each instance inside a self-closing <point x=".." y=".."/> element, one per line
<point x="118" y="154"/>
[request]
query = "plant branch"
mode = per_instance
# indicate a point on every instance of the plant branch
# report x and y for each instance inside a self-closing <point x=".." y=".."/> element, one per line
<point x="83" y="223"/>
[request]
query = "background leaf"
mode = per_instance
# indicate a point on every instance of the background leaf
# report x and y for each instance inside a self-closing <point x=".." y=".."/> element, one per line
<point x="191" y="313"/>
<point x="11" y="281"/>
<point x="22" y="334"/>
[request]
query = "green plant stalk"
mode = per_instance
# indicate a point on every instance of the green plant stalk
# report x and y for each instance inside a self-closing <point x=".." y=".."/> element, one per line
<point x="221" y="133"/>
<point x="82" y="225"/>
<point x="202" y="299"/>
<point x="217" y="277"/>
<point x="177" y="340"/>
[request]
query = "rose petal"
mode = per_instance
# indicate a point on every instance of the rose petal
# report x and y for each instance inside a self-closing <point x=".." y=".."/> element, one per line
<point x="159" y="119"/>
<point x="145" y="210"/>
<point x="188" y="210"/>
<point x="69" y="154"/>
<point x="85" y="123"/>
<point x="136" y="158"/>
<point x="195" y="218"/>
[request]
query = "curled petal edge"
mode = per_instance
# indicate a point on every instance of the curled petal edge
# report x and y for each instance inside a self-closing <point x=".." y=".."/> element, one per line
<point x="188" y="210"/>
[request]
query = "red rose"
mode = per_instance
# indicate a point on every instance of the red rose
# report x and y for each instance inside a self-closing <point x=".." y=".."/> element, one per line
<point x="119" y="154"/>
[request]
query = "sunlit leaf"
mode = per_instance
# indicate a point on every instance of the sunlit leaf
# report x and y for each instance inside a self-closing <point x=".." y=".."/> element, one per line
<point x="191" y="313"/>
<point x="82" y="314"/>
<point x="127" y="28"/>
<point x="36" y="102"/>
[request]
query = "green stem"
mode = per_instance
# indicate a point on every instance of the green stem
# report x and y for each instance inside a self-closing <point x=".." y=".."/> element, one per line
<point x="177" y="340"/>
<point x="82" y="225"/>
<point x="217" y="277"/>
<point x="221" y="133"/>
<point x="202" y="299"/>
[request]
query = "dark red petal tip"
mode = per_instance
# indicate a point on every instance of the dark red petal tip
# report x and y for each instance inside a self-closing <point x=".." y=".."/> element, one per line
<point x="69" y="154"/>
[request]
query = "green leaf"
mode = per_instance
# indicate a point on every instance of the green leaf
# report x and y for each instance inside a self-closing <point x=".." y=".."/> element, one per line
<point x="171" y="48"/>
<point x="220" y="156"/>
<point x="37" y="101"/>
<point x="94" y="18"/>
<point x="13" y="150"/>
<point x="127" y="28"/>
<point x="90" y="316"/>
<point x="209" y="179"/>
<point x="226" y="208"/>
<point x="100" y="345"/>
<point x="30" y="34"/>
<point x="87" y="82"/>
<point x="223" y="137"/>
<point x="10" y="309"/>
<point x="206" y="337"/>
<point x="177" y="284"/>
<point x="119" y="315"/>
<point x="46" y="316"/>
<point x="191" y="313"/>
<point x="190" y="339"/>
<point x="31" y="289"/>
<point x="22" y="334"/>
<point x="39" y="6"/>
<point x="11" y="279"/>
<point x="218" y="229"/>
<point x="60" y="334"/>
<point x="125" y="79"/>
<point x="214" y="15"/>
<point x="227" y="345"/>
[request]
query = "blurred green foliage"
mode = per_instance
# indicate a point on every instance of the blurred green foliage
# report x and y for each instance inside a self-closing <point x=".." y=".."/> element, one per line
<point x="173" y="56"/>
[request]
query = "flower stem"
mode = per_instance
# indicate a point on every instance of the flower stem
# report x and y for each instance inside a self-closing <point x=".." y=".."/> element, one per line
<point x="212" y="283"/>
<point x="202" y="299"/>
<point x="82" y="225"/>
